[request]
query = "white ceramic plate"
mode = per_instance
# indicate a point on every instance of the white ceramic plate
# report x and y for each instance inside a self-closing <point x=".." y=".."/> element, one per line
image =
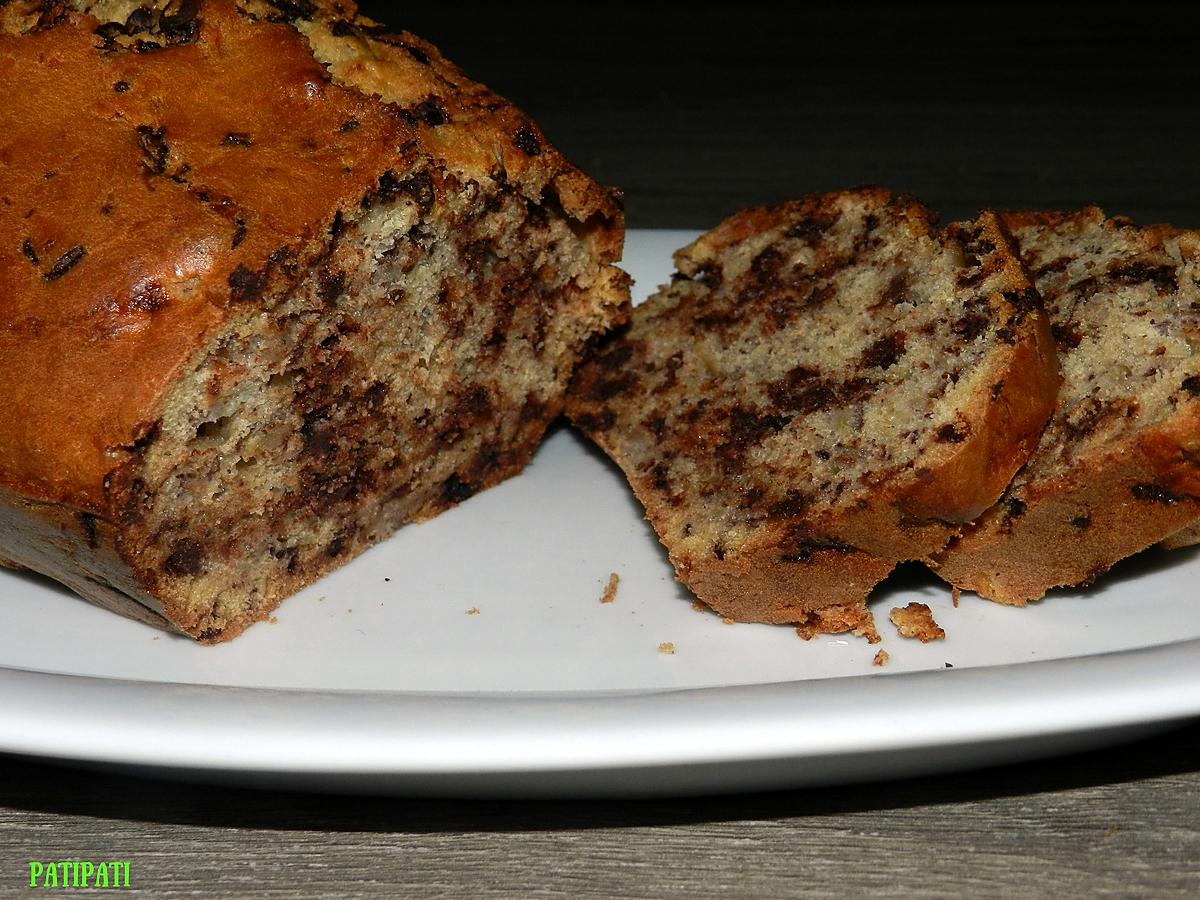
<point x="472" y="655"/>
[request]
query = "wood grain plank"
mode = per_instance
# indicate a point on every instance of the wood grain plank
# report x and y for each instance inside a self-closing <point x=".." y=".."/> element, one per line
<point x="1124" y="821"/>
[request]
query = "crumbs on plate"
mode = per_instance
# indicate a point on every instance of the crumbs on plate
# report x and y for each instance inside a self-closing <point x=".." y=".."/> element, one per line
<point x="610" y="589"/>
<point x="666" y="647"/>
<point x="881" y="658"/>
<point x="916" y="621"/>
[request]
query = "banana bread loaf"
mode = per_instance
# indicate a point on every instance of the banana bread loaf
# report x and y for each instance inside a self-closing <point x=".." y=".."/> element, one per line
<point x="275" y="282"/>
<point x="826" y="388"/>
<point x="1118" y="467"/>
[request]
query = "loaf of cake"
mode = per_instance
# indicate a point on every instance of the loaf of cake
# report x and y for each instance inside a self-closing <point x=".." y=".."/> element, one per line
<point x="1118" y="466"/>
<point x="827" y="387"/>
<point x="276" y="281"/>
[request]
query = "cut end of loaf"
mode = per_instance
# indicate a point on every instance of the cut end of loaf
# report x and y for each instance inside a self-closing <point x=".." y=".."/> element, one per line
<point x="417" y="362"/>
<point x="825" y="387"/>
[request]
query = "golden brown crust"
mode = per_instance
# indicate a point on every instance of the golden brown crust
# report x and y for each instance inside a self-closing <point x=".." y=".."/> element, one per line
<point x="1066" y="523"/>
<point x="223" y="152"/>
<point x="1058" y="545"/>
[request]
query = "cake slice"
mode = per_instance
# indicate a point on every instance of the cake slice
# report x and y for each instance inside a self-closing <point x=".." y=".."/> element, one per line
<point x="1118" y="467"/>
<point x="275" y="282"/>
<point x="827" y="387"/>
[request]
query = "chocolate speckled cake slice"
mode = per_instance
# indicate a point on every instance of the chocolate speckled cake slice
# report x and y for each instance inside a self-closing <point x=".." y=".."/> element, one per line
<point x="1118" y="467"/>
<point x="827" y="387"/>
<point x="275" y="281"/>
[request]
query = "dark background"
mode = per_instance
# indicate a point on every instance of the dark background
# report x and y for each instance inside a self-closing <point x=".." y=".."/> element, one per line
<point x="697" y="110"/>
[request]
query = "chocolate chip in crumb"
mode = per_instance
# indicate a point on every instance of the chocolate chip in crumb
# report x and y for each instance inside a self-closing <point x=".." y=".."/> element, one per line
<point x="239" y="233"/>
<point x="1191" y="384"/>
<point x="244" y="284"/>
<point x="121" y="87"/>
<point x="455" y="490"/>
<point x="237" y="139"/>
<point x="432" y="112"/>
<point x="952" y="433"/>
<point x="31" y="254"/>
<point x="1081" y="522"/>
<point x="349" y="125"/>
<point x="884" y="353"/>
<point x="186" y="558"/>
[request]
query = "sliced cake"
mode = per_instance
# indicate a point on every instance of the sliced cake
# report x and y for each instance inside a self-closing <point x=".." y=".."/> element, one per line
<point x="275" y="281"/>
<point x="1118" y="467"/>
<point x="827" y="387"/>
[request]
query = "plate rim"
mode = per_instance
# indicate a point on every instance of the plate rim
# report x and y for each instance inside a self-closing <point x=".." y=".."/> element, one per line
<point x="231" y="728"/>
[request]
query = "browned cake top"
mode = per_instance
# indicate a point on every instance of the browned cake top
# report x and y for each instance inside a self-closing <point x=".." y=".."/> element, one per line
<point x="162" y="165"/>
<point x="805" y="357"/>
<point x="1125" y="307"/>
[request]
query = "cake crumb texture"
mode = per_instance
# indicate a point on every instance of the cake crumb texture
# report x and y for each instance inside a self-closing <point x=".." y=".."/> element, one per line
<point x="825" y="388"/>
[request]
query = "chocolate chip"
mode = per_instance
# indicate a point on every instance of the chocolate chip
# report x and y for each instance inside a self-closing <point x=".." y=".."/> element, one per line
<point x="290" y="10"/>
<point x="1081" y="522"/>
<point x="970" y="326"/>
<point x="154" y="148"/>
<point x="594" y="424"/>
<point x="884" y="353"/>
<point x="186" y="558"/>
<point x="1066" y="335"/>
<point x="432" y="112"/>
<point x="30" y="253"/>
<point x="951" y="433"/>
<point x="455" y="490"/>
<point x="1155" y="493"/>
<point x="239" y="233"/>
<point x="349" y="125"/>
<point x="87" y="522"/>
<point x="330" y="285"/>
<point x="65" y="263"/>
<point x="237" y="139"/>
<point x="526" y="140"/>
<point x="804" y="551"/>
<point x="419" y="187"/>
<point x="244" y="284"/>
<point x="1191" y="384"/>
<point x="1163" y="276"/>
<point x="121" y="87"/>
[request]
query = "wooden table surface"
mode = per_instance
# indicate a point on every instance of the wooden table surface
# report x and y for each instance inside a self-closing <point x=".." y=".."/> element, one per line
<point x="696" y="111"/>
